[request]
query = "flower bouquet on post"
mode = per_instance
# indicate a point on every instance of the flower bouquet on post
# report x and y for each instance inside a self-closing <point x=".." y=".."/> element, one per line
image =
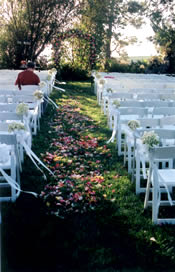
<point x="102" y="82"/>
<point x="42" y="84"/>
<point x="38" y="94"/>
<point x="15" y="126"/>
<point x="133" y="124"/>
<point x="150" y="139"/>
<point x="22" y="109"/>
<point x="116" y="103"/>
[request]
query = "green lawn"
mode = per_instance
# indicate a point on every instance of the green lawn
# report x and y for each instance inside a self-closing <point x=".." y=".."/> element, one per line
<point x="108" y="230"/>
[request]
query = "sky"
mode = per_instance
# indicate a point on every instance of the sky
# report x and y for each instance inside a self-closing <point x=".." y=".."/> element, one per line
<point x="145" y="47"/>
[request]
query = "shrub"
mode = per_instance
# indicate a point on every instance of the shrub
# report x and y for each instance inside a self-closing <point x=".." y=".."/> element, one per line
<point x="68" y="72"/>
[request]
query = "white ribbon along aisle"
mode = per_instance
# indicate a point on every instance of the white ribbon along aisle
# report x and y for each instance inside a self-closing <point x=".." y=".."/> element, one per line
<point x="34" y="158"/>
<point x="40" y="97"/>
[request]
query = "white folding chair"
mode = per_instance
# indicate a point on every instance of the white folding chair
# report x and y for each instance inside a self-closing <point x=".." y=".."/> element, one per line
<point x="126" y="114"/>
<point x="34" y="108"/>
<point x="9" y="162"/>
<point x="141" y="165"/>
<point x="108" y="99"/>
<point x="145" y="123"/>
<point x="162" y="181"/>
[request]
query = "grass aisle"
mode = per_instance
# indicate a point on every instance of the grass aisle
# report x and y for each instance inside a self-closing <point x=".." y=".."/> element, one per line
<point x="88" y="217"/>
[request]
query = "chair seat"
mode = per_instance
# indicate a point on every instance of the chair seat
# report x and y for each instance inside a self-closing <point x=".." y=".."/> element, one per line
<point x="167" y="176"/>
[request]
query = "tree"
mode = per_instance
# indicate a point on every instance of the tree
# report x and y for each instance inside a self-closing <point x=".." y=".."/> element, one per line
<point x="105" y="19"/>
<point x="29" y="25"/>
<point x="161" y="14"/>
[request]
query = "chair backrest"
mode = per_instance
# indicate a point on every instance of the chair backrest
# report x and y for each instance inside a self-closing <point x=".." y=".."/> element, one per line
<point x="164" y="134"/>
<point x="30" y="88"/>
<point x="9" y="139"/>
<point x="167" y="96"/>
<point x="149" y="122"/>
<point x="149" y="96"/>
<point x="7" y="92"/>
<point x="163" y="111"/>
<point x="4" y="126"/>
<point x="3" y="99"/>
<point x="162" y="152"/>
<point x="4" y="116"/>
<point x="8" y="107"/>
<point x="141" y="112"/>
<point x="156" y="103"/>
<point x="122" y="95"/>
<point x="24" y="98"/>
<point x="131" y="103"/>
<point x="167" y="121"/>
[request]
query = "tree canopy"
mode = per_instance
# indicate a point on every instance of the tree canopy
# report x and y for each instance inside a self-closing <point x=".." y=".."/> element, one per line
<point x="28" y="26"/>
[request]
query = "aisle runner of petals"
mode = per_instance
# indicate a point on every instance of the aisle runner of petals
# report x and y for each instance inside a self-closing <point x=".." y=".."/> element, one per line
<point x="78" y="162"/>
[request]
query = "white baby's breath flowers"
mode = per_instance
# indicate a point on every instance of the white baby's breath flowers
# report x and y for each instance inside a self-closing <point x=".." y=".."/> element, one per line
<point x="133" y="124"/>
<point x="42" y="84"/>
<point x="116" y="103"/>
<point x="22" y="109"/>
<point x="150" y="138"/>
<point x="54" y="70"/>
<point x="102" y="81"/>
<point x="38" y="94"/>
<point x="49" y="72"/>
<point x="15" y="126"/>
<point x="98" y="76"/>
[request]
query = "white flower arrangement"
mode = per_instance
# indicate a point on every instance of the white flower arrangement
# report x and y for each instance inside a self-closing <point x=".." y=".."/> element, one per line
<point x="102" y="81"/>
<point x="98" y="76"/>
<point x="116" y="103"/>
<point x="133" y="124"/>
<point x="15" y="126"/>
<point x="50" y="72"/>
<point x="42" y="84"/>
<point x="38" y="94"/>
<point x="54" y="70"/>
<point x="150" y="138"/>
<point x="22" y="109"/>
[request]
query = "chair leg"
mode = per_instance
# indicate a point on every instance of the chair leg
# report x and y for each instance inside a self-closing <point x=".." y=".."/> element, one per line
<point x="155" y="204"/>
<point x="148" y="189"/>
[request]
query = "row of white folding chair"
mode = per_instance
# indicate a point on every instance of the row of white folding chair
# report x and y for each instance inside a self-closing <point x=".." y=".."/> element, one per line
<point x="108" y="100"/>
<point x="136" y="103"/>
<point x="162" y="181"/>
<point x="155" y="108"/>
<point x="124" y="115"/>
<point x="33" y="117"/>
<point x="164" y="122"/>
